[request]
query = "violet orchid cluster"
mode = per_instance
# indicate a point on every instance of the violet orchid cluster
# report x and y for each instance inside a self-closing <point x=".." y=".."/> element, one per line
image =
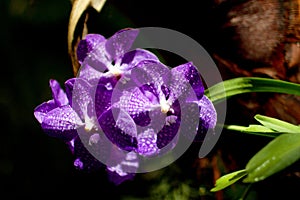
<point x="123" y="105"/>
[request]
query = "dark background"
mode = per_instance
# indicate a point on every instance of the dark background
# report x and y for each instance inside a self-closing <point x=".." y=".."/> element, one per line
<point x="34" y="49"/>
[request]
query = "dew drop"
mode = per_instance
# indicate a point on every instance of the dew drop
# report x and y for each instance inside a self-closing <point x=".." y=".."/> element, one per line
<point x="108" y="86"/>
<point x="94" y="139"/>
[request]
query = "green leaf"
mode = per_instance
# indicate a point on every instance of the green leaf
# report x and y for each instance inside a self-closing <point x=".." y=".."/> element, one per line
<point x="253" y="129"/>
<point x="241" y="85"/>
<point x="228" y="179"/>
<point x="277" y="125"/>
<point x="275" y="156"/>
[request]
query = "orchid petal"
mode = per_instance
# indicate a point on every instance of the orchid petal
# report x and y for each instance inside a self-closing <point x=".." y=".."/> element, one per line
<point x="40" y="112"/>
<point x="82" y="101"/>
<point x="208" y="117"/>
<point x="132" y="58"/>
<point x="103" y="99"/>
<point x="147" y="143"/>
<point x="58" y="94"/>
<point x="168" y="132"/>
<point x="62" y="122"/>
<point x="120" y="43"/>
<point x="122" y="166"/>
<point x="117" y="176"/>
<point x="90" y="74"/>
<point x="208" y="112"/>
<point x="84" y="160"/>
<point x="149" y="71"/>
<point x="122" y="131"/>
<point x="69" y="85"/>
<point x="92" y="52"/>
<point x="137" y="105"/>
<point x="89" y="43"/>
<point x="190" y="120"/>
<point x="185" y="77"/>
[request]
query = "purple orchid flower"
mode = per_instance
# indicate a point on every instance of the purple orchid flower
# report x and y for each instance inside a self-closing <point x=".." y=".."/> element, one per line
<point x="145" y="115"/>
<point x="124" y="104"/>
<point x="56" y="116"/>
<point x="59" y="119"/>
<point x="106" y="60"/>
<point x="71" y="112"/>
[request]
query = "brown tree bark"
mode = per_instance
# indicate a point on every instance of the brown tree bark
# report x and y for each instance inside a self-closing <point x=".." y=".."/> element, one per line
<point x="261" y="38"/>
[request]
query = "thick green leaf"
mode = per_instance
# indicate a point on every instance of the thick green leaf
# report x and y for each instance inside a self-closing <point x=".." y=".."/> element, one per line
<point x="253" y="129"/>
<point x="275" y="156"/>
<point x="277" y="125"/>
<point x="242" y="85"/>
<point x="228" y="179"/>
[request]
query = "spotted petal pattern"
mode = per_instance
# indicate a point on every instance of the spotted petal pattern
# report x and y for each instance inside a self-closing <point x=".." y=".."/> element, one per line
<point x="88" y="44"/>
<point x="40" y="112"/>
<point x="137" y="105"/>
<point x="147" y="143"/>
<point x="185" y="80"/>
<point x="124" y="104"/>
<point x="62" y="122"/>
<point x="58" y="94"/>
<point x="120" y="42"/>
<point x="119" y="128"/>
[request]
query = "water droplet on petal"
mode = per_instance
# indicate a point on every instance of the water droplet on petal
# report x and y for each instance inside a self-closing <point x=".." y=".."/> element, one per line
<point x="108" y="86"/>
<point x="94" y="139"/>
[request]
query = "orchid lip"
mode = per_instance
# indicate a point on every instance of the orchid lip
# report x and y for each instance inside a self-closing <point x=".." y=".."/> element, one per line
<point x="165" y="106"/>
<point x="89" y="124"/>
<point x="115" y="71"/>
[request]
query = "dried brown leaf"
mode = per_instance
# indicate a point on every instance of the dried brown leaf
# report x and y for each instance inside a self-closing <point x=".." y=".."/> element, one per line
<point x="78" y="8"/>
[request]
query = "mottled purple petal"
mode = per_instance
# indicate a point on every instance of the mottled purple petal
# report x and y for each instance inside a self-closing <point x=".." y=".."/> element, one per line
<point x="62" y="122"/>
<point x="120" y="42"/>
<point x="153" y="74"/>
<point x="190" y="120"/>
<point x="58" y="94"/>
<point x="93" y="53"/>
<point x="132" y="58"/>
<point x="147" y="72"/>
<point x="168" y="132"/>
<point x="170" y="126"/>
<point x="130" y="163"/>
<point x="149" y="90"/>
<point x="97" y="60"/>
<point x="90" y="74"/>
<point x="137" y="105"/>
<point x="109" y="81"/>
<point x="103" y="99"/>
<point x="124" y="167"/>
<point x="122" y="131"/>
<point x="69" y="85"/>
<point x="84" y="160"/>
<point x="208" y="112"/>
<point x="41" y="111"/>
<point x="158" y="121"/>
<point x="147" y="143"/>
<point x="186" y="79"/>
<point x="89" y="43"/>
<point x="82" y="98"/>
